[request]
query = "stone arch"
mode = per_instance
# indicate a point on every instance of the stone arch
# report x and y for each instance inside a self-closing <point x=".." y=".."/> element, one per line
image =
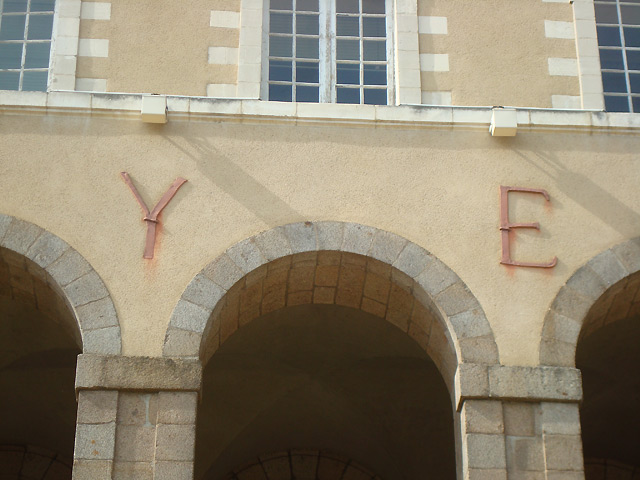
<point x="565" y="320"/>
<point x="464" y="334"/>
<point x="71" y="277"/>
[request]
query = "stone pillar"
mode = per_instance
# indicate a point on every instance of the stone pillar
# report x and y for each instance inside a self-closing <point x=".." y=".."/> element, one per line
<point x="519" y="423"/>
<point x="136" y="418"/>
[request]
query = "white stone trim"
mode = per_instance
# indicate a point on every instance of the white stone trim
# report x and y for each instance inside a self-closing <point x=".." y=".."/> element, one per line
<point x="436" y="98"/>
<point x="223" y="55"/>
<point x="554" y="29"/>
<point x="564" y="67"/>
<point x="64" y="45"/>
<point x="250" y="49"/>
<point x="406" y="53"/>
<point x="566" y="101"/>
<point x="224" y="19"/>
<point x="91" y="84"/>
<point x="95" y="11"/>
<point x="429" y="25"/>
<point x="589" y="73"/>
<point x="221" y="90"/>
<point x="434" y="62"/>
<point x="93" y="47"/>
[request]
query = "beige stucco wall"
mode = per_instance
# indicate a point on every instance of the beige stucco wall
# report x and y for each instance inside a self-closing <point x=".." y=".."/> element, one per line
<point x="498" y="52"/>
<point x="435" y="187"/>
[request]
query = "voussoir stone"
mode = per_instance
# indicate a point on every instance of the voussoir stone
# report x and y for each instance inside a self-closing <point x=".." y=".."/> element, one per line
<point x="223" y="271"/>
<point x="301" y="236"/>
<point x="608" y="267"/>
<point x="203" y="292"/>
<point x="412" y="260"/>
<point x="329" y="235"/>
<point x="20" y="236"/>
<point x="85" y="289"/>
<point x="69" y="267"/>
<point x="246" y="255"/>
<point x="181" y="343"/>
<point x="189" y="316"/>
<point x="273" y="244"/>
<point x="387" y="246"/>
<point x="357" y="238"/>
<point x="104" y="341"/>
<point x="629" y="254"/>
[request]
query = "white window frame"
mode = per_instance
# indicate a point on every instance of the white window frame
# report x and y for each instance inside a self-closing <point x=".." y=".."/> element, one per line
<point x="327" y="49"/>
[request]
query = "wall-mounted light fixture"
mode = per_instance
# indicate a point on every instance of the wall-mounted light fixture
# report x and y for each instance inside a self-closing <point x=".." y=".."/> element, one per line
<point x="504" y="122"/>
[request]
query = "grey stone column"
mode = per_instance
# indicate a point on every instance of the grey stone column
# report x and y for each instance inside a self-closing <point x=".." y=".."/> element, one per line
<point x="136" y="418"/>
<point x="519" y="423"/>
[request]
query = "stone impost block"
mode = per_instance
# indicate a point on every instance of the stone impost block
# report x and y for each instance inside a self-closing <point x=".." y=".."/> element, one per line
<point x="471" y="381"/>
<point x="114" y="372"/>
<point x="535" y="383"/>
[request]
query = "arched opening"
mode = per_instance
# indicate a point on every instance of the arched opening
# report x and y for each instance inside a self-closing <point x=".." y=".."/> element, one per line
<point x="326" y="365"/>
<point x="608" y="355"/>
<point x="39" y="343"/>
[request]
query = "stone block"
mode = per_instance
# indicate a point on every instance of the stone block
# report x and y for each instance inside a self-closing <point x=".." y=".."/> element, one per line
<point x="124" y="470"/>
<point x="436" y="277"/>
<point x="479" y="350"/>
<point x="485" y="451"/>
<point x="608" y="267"/>
<point x="173" y="471"/>
<point x="69" y="267"/>
<point x="521" y="419"/>
<point x="104" y="341"/>
<point x="629" y="254"/>
<point x="470" y="323"/>
<point x="177" y="407"/>
<point x="203" y="292"/>
<point x="571" y="304"/>
<point x="387" y="246"/>
<point x="482" y="416"/>
<point x="20" y="236"/>
<point x="524" y="454"/>
<point x="324" y="295"/>
<point x="273" y="244"/>
<point x="563" y="452"/>
<point x="412" y="260"/>
<point x="560" y="418"/>
<point x="587" y="282"/>
<point x="565" y="476"/>
<point x="137" y="409"/>
<point x="223" y="271"/>
<point x="46" y="249"/>
<point x="134" y="443"/>
<point x="301" y="236"/>
<point x="471" y="381"/>
<point x="181" y="343"/>
<point x="489" y="474"/>
<point x="98" y="314"/>
<point x="542" y="383"/>
<point x="5" y="221"/>
<point x="189" y="316"/>
<point x="115" y="372"/>
<point x="456" y="299"/>
<point x="329" y="235"/>
<point x="175" y="442"/>
<point x="561" y="328"/>
<point x="95" y="442"/>
<point x="246" y="255"/>
<point x="85" y="289"/>
<point x="98" y="406"/>
<point x="326" y="275"/>
<point x="357" y="238"/>
<point x="556" y="353"/>
<point x="92" y="469"/>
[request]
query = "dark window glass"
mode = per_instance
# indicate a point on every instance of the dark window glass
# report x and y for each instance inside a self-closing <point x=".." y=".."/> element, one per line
<point x="40" y="27"/>
<point x="616" y="104"/>
<point x="375" y="75"/>
<point x="374" y="27"/>
<point x="37" y="55"/>
<point x="307" y="24"/>
<point x="307" y="47"/>
<point x="348" y="95"/>
<point x="347" y="6"/>
<point x="372" y="6"/>
<point x="281" y="5"/>
<point x="307" y="5"/>
<point x="636" y="104"/>
<point x="280" y="46"/>
<point x="34" y="81"/>
<point x="9" y="6"/>
<point x="10" y="55"/>
<point x="374" y="50"/>
<point x="630" y="14"/>
<point x="42" y="5"/>
<point x="375" y="97"/>
<point x="614" y="82"/>
<point x="606" y="13"/>
<point x="280" y="93"/>
<point x="9" y="80"/>
<point x="609" y="36"/>
<point x="281" y="23"/>
<point x="348" y="73"/>
<point x="307" y="72"/>
<point x="632" y="36"/>
<point x="12" y="27"/>
<point x="306" y="94"/>
<point x="348" y="50"/>
<point x="611" y="59"/>
<point x="280" y="70"/>
<point x="634" y="82"/>
<point x="633" y="59"/>
<point x="347" y="26"/>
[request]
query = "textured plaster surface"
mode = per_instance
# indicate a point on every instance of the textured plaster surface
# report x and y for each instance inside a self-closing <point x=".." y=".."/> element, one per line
<point x="435" y="188"/>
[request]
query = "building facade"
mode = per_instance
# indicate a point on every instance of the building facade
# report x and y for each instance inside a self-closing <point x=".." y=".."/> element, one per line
<point x="401" y="242"/>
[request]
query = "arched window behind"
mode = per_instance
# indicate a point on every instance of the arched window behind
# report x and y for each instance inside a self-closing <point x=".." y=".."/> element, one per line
<point x="25" y="43"/>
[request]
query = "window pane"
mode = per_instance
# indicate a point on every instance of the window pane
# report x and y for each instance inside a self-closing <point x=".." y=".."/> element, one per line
<point x="609" y="36"/>
<point x="630" y="14"/>
<point x="42" y="5"/>
<point x="636" y="104"/>
<point x="9" y="80"/>
<point x="281" y="23"/>
<point x="279" y="70"/>
<point x="10" y="55"/>
<point x="280" y="46"/>
<point x="375" y="75"/>
<point x="373" y="6"/>
<point x="374" y="27"/>
<point x="348" y="50"/>
<point x="281" y="5"/>
<point x="280" y="93"/>
<point x="634" y="82"/>
<point x="37" y="55"/>
<point x="12" y="27"/>
<point x="614" y="82"/>
<point x="375" y="97"/>
<point x="633" y="60"/>
<point x="632" y="37"/>
<point x="14" y="6"/>
<point x="348" y="73"/>
<point x="348" y="26"/>
<point x="606" y="13"/>
<point x="307" y="47"/>
<point x="375" y="50"/>
<point x="348" y="95"/>
<point x="306" y="94"/>
<point x="611" y="59"/>
<point x="307" y="24"/>
<point x="307" y="5"/>
<point x="40" y="27"/>
<point x="34" y="81"/>
<point x="616" y="104"/>
<point x="347" y="6"/>
<point x="307" y="72"/>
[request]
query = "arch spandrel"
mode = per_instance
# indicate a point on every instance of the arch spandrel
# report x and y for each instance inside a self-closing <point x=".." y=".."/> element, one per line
<point x="578" y="299"/>
<point x="73" y="279"/>
<point x="462" y="333"/>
